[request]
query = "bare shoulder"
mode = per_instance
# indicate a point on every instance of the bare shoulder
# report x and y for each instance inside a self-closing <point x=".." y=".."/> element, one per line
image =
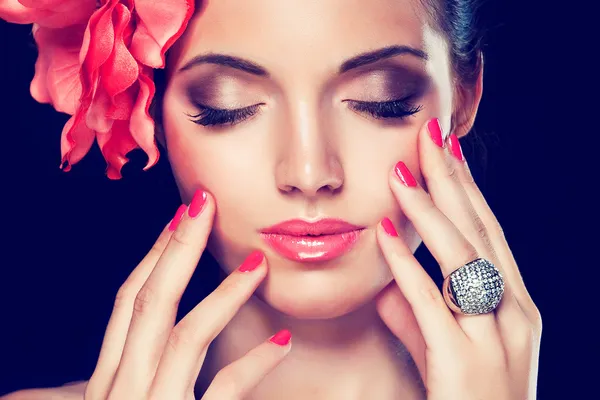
<point x="70" y="391"/>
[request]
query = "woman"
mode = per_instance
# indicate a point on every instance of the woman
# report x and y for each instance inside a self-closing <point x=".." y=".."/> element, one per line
<point x="314" y="145"/>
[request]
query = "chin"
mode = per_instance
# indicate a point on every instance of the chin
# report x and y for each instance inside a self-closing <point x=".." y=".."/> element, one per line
<point x="324" y="291"/>
<point x="315" y="290"/>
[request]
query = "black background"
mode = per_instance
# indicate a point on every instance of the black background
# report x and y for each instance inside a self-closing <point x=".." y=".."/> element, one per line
<point x="70" y="239"/>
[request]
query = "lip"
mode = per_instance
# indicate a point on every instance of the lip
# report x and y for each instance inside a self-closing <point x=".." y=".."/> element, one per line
<point x="304" y="241"/>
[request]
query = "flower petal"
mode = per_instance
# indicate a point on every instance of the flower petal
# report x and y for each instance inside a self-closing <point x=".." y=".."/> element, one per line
<point x="112" y="100"/>
<point x="76" y="141"/>
<point x="142" y="124"/>
<point x="159" y="25"/>
<point x="98" y="42"/>
<point x="120" y="70"/>
<point x="96" y="117"/>
<point x="38" y="87"/>
<point x="57" y="69"/>
<point x="114" y="146"/>
<point x="48" y="13"/>
<point x="95" y="61"/>
<point x="15" y="12"/>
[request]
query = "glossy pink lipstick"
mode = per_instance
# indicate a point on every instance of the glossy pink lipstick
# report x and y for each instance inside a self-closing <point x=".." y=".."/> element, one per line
<point x="321" y="240"/>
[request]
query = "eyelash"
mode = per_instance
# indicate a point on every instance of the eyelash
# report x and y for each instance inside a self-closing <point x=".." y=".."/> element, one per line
<point x="216" y="116"/>
<point x="395" y="109"/>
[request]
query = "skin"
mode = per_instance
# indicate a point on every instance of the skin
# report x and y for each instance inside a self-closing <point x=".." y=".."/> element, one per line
<point x="313" y="157"/>
<point x="306" y="154"/>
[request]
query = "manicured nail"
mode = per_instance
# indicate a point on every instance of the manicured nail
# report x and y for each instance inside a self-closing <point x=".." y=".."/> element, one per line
<point x="252" y="261"/>
<point x="405" y="175"/>
<point x="388" y="227"/>
<point x="435" y="132"/>
<point x="177" y="218"/>
<point x="282" y="337"/>
<point x="197" y="203"/>
<point x="455" y="147"/>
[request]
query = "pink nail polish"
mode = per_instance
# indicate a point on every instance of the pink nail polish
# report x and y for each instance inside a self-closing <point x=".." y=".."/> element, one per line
<point x="177" y="218"/>
<point x="197" y="203"/>
<point x="388" y="227"/>
<point x="252" y="261"/>
<point x="282" y="337"/>
<point x="455" y="147"/>
<point x="435" y="132"/>
<point x="404" y="174"/>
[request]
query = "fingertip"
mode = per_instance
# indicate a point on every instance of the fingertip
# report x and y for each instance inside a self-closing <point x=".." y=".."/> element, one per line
<point x="282" y="338"/>
<point x="456" y="148"/>
<point x="381" y="236"/>
<point x="172" y="225"/>
<point x="434" y="129"/>
<point x="388" y="227"/>
<point x="198" y="203"/>
<point x="254" y="260"/>
<point x="402" y="174"/>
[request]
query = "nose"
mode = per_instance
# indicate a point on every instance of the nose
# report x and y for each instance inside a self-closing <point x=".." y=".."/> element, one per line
<point x="309" y="161"/>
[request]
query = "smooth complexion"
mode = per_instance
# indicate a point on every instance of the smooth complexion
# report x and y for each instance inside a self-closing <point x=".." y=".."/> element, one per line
<point x="305" y="149"/>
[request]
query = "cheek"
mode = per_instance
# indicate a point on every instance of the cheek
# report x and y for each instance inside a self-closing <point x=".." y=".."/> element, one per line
<point x="227" y="165"/>
<point x="214" y="161"/>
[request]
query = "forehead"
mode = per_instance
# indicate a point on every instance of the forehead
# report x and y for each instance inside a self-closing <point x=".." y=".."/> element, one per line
<point x="285" y="35"/>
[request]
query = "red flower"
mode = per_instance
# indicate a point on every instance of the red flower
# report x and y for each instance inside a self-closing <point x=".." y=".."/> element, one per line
<point x="101" y="73"/>
<point x="47" y="13"/>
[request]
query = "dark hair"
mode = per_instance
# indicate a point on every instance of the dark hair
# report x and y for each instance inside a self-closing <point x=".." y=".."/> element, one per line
<point x="456" y="20"/>
<point x="459" y="22"/>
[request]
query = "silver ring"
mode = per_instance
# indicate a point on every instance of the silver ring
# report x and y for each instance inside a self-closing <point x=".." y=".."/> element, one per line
<point x="475" y="288"/>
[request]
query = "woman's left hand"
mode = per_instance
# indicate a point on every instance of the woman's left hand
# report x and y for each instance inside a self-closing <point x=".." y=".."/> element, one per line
<point x="491" y="356"/>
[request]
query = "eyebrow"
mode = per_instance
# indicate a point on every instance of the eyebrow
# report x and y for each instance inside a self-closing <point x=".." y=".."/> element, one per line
<point x="359" y="60"/>
<point x="371" y="57"/>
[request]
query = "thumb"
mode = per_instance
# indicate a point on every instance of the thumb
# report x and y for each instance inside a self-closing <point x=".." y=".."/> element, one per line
<point x="396" y="313"/>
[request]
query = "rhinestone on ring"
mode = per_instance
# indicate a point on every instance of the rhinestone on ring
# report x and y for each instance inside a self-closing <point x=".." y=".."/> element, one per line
<point x="475" y="288"/>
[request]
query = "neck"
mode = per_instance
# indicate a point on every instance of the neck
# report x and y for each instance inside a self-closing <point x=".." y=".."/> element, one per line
<point x="350" y="357"/>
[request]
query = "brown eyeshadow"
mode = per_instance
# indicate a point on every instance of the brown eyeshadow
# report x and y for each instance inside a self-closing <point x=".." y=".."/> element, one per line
<point x="217" y="90"/>
<point x="388" y="81"/>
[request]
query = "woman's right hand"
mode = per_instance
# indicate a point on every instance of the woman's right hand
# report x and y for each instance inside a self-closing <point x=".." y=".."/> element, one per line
<point x="145" y="355"/>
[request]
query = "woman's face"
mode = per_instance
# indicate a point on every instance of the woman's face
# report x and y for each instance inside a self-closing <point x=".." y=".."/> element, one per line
<point x="306" y="146"/>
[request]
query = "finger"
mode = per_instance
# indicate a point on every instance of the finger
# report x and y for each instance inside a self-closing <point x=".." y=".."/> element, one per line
<point x="447" y="193"/>
<point x="447" y="244"/>
<point x="155" y="305"/>
<point x="118" y="324"/>
<point x="236" y="380"/>
<point x="518" y="318"/>
<point x="187" y="344"/>
<point x="441" y="167"/>
<point x="510" y="270"/>
<point x="436" y="322"/>
<point x="396" y="312"/>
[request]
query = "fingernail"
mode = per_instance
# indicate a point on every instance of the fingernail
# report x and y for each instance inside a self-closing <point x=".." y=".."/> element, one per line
<point x="455" y="147"/>
<point x="405" y="175"/>
<point x="282" y="337"/>
<point x="435" y="132"/>
<point x="388" y="227"/>
<point x="252" y="261"/>
<point x="177" y="218"/>
<point x="197" y="203"/>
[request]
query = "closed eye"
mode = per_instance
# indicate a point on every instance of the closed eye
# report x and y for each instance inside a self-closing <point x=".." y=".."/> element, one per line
<point x="208" y="116"/>
<point x="397" y="109"/>
<point x="393" y="109"/>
